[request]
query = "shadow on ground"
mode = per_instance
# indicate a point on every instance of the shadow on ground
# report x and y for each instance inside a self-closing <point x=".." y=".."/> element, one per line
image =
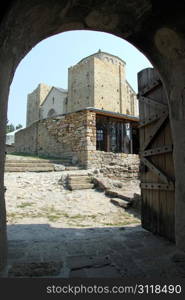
<point x="39" y="250"/>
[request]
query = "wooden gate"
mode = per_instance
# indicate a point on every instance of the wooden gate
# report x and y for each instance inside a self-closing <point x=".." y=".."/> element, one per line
<point x="156" y="150"/>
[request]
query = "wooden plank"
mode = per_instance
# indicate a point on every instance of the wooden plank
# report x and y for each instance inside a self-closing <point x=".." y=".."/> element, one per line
<point x="160" y="203"/>
<point x="154" y="194"/>
<point x="148" y="176"/>
<point x="156" y="151"/>
<point x="155" y="131"/>
<point x="170" y="196"/>
<point x="156" y="170"/>
<point x="157" y="192"/>
<point x="158" y="186"/>
<point x="150" y="101"/>
<point x="145" y="217"/>
<point x="152" y="85"/>
<point x="151" y="119"/>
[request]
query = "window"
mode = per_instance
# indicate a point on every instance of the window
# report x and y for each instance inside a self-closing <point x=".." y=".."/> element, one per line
<point x="51" y="113"/>
<point x="99" y="135"/>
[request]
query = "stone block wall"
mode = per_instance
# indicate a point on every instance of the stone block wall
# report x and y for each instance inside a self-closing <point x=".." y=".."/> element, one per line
<point x="10" y="148"/>
<point x="119" y="165"/>
<point x="26" y="139"/>
<point x="47" y="144"/>
<point x="71" y="135"/>
<point x="55" y="101"/>
<point x="81" y="86"/>
<point x="74" y="136"/>
<point x="72" y="132"/>
<point x="34" y="101"/>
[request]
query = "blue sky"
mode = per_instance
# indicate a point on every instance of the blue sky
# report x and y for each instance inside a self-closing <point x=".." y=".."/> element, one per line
<point x="48" y="62"/>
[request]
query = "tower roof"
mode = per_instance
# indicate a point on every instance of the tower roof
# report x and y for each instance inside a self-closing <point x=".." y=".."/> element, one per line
<point x="100" y="54"/>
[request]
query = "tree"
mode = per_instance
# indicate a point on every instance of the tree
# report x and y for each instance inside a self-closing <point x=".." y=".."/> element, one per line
<point x="10" y="128"/>
<point x="18" y="126"/>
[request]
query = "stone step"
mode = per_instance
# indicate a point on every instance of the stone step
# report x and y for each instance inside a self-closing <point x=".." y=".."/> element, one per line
<point x="79" y="182"/>
<point x="121" y="203"/>
<point x="41" y="161"/>
<point x="124" y="195"/>
<point x="80" y="178"/>
<point x="80" y="186"/>
<point x="29" y="169"/>
<point x="71" y="168"/>
<point x="32" y="165"/>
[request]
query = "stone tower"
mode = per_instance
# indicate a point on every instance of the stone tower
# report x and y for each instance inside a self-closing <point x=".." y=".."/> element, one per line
<point x="34" y="101"/>
<point x="99" y="81"/>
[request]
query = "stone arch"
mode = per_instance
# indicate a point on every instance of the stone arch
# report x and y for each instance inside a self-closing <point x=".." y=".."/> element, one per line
<point x="146" y="24"/>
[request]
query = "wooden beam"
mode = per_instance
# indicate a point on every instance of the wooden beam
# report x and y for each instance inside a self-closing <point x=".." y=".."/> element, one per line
<point x="150" y="101"/>
<point x="156" y="151"/>
<point x="157" y="186"/>
<point x="156" y="170"/>
<point x="154" y="131"/>
<point x="149" y="87"/>
<point x="151" y="119"/>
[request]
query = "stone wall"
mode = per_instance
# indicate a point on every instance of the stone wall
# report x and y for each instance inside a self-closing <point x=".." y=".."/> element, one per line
<point x="99" y="81"/>
<point x="81" y="86"/>
<point x="10" y="148"/>
<point x="69" y="132"/>
<point x="119" y="165"/>
<point x="108" y="85"/>
<point x="55" y="101"/>
<point x="71" y="135"/>
<point x="74" y="136"/>
<point x="26" y="139"/>
<point x="34" y="101"/>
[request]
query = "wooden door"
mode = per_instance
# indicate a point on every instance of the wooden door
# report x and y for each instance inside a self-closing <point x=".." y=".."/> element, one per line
<point x="156" y="150"/>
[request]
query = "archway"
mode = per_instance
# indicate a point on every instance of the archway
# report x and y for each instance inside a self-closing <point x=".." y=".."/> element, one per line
<point x="159" y="35"/>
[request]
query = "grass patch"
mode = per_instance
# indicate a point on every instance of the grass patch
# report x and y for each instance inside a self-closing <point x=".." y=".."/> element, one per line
<point x="25" y="204"/>
<point x="53" y="218"/>
<point x="50" y="212"/>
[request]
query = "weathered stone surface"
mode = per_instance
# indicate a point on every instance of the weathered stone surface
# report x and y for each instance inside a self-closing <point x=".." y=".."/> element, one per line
<point x="92" y="72"/>
<point x="125" y="165"/>
<point x="101" y="183"/>
<point x="59" y="167"/>
<point x="79" y="182"/>
<point x="34" y="269"/>
<point x="74" y="136"/>
<point x="119" y="194"/>
<point x="66" y="137"/>
<point x="79" y="262"/>
<point x="40" y="199"/>
<point x="120" y="202"/>
<point x="80" y="186"/>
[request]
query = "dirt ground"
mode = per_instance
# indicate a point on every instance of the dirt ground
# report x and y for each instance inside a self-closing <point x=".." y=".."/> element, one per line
<point x="39" y="198"/>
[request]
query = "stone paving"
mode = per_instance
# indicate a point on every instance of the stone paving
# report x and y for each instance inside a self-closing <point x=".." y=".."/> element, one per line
<point x="111" y="252"/>
<point x="70" y="241"/>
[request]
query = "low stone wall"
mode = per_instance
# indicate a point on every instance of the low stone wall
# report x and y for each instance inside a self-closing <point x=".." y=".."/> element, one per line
<point x="119" y="165"/>
<point x="47" y="143"/>
<point x="10" y="148"/>
<point x="71" y="135"/>
<point x="74" y="132"/>
<point x="26" y="139"/>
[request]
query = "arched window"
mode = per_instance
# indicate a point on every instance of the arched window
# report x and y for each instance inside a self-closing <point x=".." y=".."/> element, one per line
<point x="51" y="113"/>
